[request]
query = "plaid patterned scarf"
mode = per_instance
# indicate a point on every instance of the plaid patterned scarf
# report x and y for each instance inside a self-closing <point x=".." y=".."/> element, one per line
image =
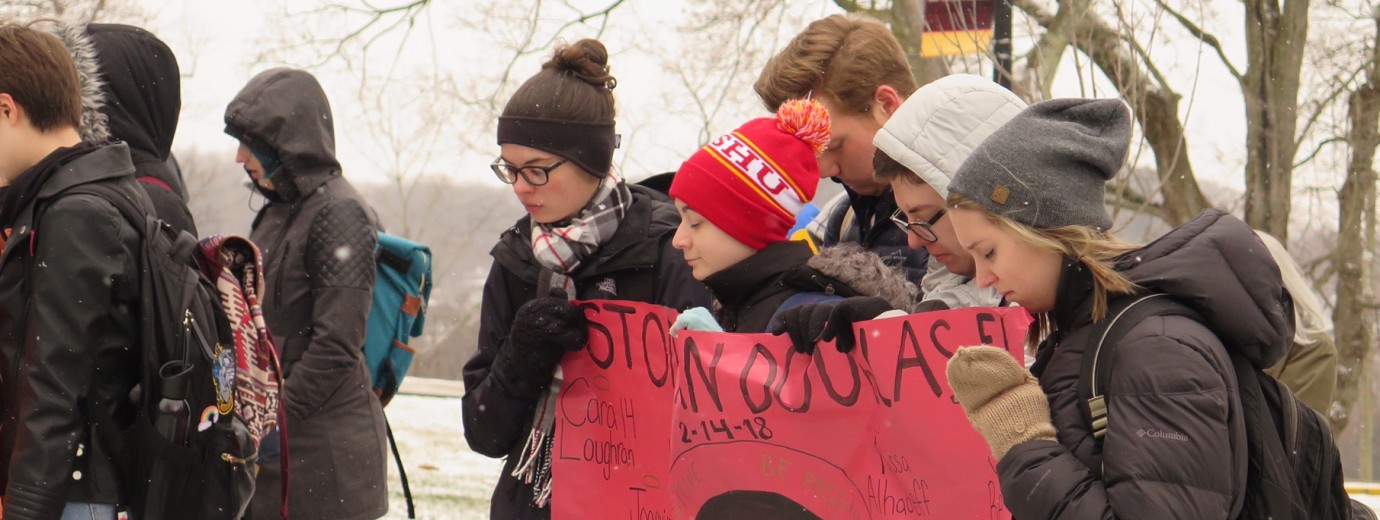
<point x="560" y="249"/>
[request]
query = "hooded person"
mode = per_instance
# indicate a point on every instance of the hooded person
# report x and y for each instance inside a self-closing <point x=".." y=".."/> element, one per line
<point x="132" y="92"/>
<point x="1310" y="367"/>
<point x="738" y="196"/>
<point x="318" y="237"/>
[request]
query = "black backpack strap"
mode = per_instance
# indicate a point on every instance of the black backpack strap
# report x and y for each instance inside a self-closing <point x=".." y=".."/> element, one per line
<point x="1123" y="314"/>
<point x="402" y="473"/>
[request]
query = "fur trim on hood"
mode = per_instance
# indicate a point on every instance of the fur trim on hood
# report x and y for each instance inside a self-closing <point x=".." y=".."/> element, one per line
<point x="849" y="270"/>
<point x="94" y="122"/>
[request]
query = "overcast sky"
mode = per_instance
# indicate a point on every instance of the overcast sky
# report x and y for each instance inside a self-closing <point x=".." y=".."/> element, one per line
<point x="218" y="43"/>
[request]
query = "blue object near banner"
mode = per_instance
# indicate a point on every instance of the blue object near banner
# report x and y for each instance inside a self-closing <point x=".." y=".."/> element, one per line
<point x="401" y="291"/>
<point x="806" y="216"/>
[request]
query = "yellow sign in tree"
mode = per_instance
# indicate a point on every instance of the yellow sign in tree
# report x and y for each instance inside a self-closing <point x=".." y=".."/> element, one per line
<point x="956" y="28"/>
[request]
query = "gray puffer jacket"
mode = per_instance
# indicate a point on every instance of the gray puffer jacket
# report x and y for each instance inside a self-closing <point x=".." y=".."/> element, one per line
<point x="318" y="237"/>
<point x="1176" y="440"/>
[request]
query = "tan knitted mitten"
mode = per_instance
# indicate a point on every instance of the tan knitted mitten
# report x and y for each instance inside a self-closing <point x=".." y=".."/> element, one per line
<point x="1002" y="399"/>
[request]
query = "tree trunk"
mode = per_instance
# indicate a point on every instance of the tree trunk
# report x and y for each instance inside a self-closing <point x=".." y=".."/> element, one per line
<point x="1355" y="315"/>
<point x="908" y="24"/>
<point x="1044" y="58"/>
<point x="1154" y="105"/>
<point x="1275" y="43"/>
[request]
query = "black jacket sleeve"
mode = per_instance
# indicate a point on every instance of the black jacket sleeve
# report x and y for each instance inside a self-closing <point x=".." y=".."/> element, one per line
<point x="80" y="250"/>
<point x="340" y="264"/>
<point x="495" y="417"/>
<point x="1173" y="445"/>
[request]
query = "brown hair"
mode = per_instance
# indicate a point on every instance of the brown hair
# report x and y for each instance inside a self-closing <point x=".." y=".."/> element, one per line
<point x="843" y="58"/>
<point x="1097" y="250"/>
<point x="885" y="169"/>
<point x="574" y="85"/>
<point x="39" y="74"/>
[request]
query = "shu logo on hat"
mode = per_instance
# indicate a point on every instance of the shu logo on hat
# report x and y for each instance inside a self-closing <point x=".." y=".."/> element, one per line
<point x="1000" y="194"/>
<point x="739" y="155"/>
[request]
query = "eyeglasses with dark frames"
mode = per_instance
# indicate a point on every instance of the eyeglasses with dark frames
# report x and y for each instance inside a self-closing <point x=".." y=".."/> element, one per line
<point x="924" y="230"/>
<point x="534" y="175"/>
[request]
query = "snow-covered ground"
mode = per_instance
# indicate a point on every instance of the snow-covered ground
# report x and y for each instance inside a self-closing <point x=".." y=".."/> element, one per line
<point x="450" y="482"/>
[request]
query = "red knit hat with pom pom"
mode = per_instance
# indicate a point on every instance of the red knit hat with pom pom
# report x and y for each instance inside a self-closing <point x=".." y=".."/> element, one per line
<point x="752" y="182"/>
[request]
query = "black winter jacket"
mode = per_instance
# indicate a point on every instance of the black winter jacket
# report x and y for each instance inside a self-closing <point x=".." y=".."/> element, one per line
<point x="638" y="263"/>
<point x="318" y="238"/>
<point x="67" y="341"/>
<point x="749" y="293"/>
<point x="1176" y="441"/>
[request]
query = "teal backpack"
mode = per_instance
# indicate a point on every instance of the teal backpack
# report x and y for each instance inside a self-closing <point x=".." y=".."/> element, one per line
<point x="401" y="291"/>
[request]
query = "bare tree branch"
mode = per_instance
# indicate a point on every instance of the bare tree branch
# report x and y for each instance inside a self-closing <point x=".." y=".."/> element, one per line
<point x="1319" y="148"/>
<point x="1139" y="50"/>
<point x="1205" y="36"/>
<point x="1320" y="105"/>
<point x="409" y="10"/>
<point x="590" y="16"/>
<point x="855" y="7"/>
<point x="1044" y="57"/>
<point x="1125" y="198"/>
<point x="1154" y="107"/>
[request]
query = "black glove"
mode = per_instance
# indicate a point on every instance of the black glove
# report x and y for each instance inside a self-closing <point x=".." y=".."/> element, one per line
<point x="543" y="330"/>
<point x="825" y="321"/>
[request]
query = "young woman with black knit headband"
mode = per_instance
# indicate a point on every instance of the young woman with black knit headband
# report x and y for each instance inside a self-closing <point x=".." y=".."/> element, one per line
<point x="587" y="235"/>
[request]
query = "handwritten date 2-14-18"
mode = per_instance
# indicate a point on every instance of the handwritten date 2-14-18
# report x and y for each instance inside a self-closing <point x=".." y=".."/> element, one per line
<point x="721" y="430"/>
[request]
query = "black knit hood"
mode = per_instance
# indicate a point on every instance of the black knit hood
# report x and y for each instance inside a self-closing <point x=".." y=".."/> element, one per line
<point x="142" y="112"/>
<point x="131" y="91"/>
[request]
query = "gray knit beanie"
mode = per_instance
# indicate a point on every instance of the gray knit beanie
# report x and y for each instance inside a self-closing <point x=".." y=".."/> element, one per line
<point x="1048" y="166"/>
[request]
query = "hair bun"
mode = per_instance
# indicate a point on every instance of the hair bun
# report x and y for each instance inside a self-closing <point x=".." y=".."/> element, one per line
<point x="586" y="59"/>
<point x="806" y="119"/>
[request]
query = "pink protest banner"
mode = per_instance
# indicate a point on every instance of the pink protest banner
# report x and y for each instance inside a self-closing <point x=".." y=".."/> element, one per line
<point x="746" y="425"/>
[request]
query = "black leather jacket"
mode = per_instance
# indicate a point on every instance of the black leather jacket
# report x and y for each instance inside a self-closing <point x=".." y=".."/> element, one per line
<point x="65" y="341"/>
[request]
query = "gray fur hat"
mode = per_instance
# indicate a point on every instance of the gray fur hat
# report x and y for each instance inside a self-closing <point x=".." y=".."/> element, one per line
<point x="1048" y="167"/>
